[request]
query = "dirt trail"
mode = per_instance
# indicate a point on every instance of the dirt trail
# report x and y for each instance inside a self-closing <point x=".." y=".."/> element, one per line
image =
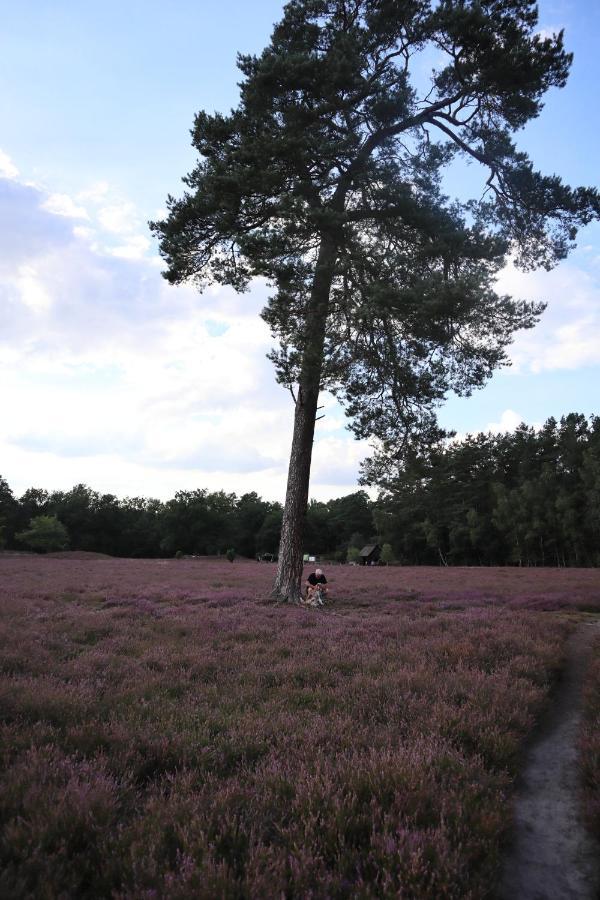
<point x="553" y="857"/>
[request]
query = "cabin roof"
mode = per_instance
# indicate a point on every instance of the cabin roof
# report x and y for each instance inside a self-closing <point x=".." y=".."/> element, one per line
<point x="368" y="549"/>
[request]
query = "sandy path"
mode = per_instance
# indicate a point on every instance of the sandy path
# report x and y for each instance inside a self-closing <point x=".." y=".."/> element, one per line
<point x="553" y="857"/>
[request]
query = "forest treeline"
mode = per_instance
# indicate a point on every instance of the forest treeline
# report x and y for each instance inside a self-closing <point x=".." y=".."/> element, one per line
<point x="193" y="522"/>
<point x="528" y="497"/>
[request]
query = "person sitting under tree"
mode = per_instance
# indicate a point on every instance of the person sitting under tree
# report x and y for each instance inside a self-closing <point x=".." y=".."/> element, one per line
<point x="316" y="590"/>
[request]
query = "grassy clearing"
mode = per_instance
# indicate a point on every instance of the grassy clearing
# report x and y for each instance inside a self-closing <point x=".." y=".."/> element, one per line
<point x="165" y="737"/>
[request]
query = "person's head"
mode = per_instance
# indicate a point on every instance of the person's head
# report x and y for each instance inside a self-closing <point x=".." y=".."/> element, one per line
<point x="318" y="571"/>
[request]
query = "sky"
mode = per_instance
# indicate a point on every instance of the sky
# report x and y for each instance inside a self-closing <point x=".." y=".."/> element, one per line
<point x="111" y="377"/>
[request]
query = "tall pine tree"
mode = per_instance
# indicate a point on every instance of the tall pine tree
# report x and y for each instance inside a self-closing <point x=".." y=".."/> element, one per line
<point x="327" y="181"/>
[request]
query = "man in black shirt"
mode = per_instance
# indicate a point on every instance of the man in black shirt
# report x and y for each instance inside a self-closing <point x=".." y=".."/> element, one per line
<point x="315" y="581"/>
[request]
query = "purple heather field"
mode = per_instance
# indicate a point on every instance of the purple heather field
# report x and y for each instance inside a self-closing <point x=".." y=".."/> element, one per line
<point x="168" y="732"/>
<point x="590" y="742"/>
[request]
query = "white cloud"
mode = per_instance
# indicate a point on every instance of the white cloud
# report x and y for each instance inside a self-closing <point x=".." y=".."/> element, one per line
<point x="82" y="231"/>
<point x="32" y="290"/>
<point x="135" y="248"/>
<point x="548" y="31"/>
<point x="95" y="194"/>
<point x="7" y="167"/>
<point x="63" y="205"/>
<point x="119" y="218"/>
<point x="568" y="335"/>
<point x="112" y="377"/>
<point x="336" y="459"/>
<point x="509" y="421"/>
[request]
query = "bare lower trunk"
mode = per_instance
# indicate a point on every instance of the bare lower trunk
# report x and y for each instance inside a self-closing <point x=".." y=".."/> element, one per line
<point x="289" y="571"/>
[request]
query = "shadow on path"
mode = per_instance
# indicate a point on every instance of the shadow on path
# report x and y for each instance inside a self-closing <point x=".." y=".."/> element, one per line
<point x="553" y="857"/>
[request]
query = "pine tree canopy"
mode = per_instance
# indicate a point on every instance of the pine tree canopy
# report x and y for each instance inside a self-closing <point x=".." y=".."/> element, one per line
<point x="327" y="180"/>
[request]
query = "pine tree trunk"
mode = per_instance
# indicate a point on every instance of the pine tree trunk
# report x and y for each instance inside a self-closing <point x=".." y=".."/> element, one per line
<point x="289" y="571"/>
<point x="288" y="580"/>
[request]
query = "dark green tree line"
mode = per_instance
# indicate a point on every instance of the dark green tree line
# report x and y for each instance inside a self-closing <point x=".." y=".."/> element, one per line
<point x="196" y="522"/>
<point x="523" y="498"/>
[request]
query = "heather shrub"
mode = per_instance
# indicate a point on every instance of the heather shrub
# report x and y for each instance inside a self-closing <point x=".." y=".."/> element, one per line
<point x="590" y="742"/>
<point x="168" y="732"/>
<point x="59" y="814"/>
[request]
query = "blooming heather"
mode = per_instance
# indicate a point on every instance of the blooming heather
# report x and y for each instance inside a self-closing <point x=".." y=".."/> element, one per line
<point x="589" y="744"/>
<point x="167" y="731"/>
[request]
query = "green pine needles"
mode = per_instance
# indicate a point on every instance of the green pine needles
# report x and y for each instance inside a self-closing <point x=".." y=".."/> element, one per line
<point x="327" y="180"/>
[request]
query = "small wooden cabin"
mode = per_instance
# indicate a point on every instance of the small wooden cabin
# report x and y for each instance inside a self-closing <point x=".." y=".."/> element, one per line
<point x="370" y="554"/>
